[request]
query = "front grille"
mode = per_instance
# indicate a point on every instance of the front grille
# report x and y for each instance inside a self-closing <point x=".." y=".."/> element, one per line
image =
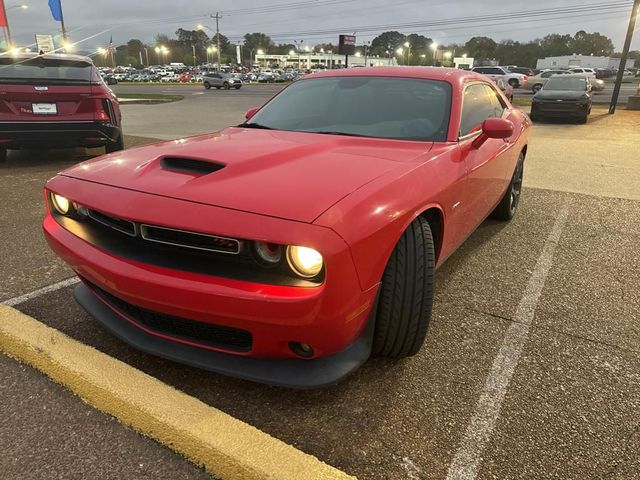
<point x="124" y="226"/>
<point x="226" y="338"/>
<point x="169" y="236"/>
<point x="181" y="238"/>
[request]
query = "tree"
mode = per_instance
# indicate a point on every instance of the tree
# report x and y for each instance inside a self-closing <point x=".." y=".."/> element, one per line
<point x="420" y="45"/>
<point x="387" y="41"/>
<point x="481" y="48"/>
<point x="591" y="44"/>
<point x="554" y="45"/>
<point x="327" y="47"/>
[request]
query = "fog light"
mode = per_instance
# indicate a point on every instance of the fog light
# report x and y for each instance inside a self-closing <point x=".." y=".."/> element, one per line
<point x="269" y="253"/>
<point x="301" y="349"/>
<point x="60" y="203"/>
<point x="304" y="261"/>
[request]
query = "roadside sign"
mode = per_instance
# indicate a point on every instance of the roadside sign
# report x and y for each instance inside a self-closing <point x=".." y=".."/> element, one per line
<point x="347" y="44"/>
<point x="45" y="43"/>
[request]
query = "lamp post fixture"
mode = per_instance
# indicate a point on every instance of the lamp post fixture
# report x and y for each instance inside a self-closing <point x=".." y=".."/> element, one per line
<point x="201" y="27"/>
<point x="400" y="52"/>
<point x="408" y="47"/>
<point x="434" y="47"/>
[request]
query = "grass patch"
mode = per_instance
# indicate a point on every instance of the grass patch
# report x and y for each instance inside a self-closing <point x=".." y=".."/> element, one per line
<point x="522" y="102"/>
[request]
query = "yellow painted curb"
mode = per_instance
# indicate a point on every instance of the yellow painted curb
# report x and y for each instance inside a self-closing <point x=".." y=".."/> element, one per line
<point x="225" y="446"/>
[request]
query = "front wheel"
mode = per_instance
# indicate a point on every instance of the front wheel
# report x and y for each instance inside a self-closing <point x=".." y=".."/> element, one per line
<point x="508" y="206"/>
<point x="536" y="88"/>
<point x="513" y="82"/>
<point x="226" y="86"/>
<point x="406" y="294"/>
<point x="115" y="146"/>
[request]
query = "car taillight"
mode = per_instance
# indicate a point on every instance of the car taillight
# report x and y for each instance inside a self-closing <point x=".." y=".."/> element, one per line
<point x="103" y="110"/>
<point x="525" y="78"/>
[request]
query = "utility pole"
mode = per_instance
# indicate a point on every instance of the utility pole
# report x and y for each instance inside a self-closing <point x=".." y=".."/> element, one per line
<point x="194" y="54"/>
<point x="625" y="53"/>
<point x="217" y="17"/>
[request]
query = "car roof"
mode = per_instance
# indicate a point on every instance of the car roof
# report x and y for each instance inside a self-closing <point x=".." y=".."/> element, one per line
<point x="452" y="75"/>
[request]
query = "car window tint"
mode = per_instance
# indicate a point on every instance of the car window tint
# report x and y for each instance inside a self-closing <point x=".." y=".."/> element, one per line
<point x="477" y="106"/>
<point x="496" y="101"/>
<point x="399" y="108"/>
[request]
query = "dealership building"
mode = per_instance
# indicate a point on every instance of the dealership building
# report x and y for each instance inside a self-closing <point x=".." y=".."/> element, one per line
<point x="320" y="60"/>
<point x="587" y="61"/>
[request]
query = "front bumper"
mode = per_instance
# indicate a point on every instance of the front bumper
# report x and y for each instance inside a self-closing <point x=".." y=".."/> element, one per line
<point x="331" y="317"/>
<point x="285" y="372"/>
<point x="562" y="109"/>
<point x="57" y="134"/>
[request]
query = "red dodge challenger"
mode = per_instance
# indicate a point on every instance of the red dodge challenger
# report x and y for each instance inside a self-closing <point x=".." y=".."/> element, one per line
<point x="288" y="249"/>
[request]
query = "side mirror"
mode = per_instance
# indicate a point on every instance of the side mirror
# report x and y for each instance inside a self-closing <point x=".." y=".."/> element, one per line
<point x="493" y="128"/>
<point x="251" y="112"/>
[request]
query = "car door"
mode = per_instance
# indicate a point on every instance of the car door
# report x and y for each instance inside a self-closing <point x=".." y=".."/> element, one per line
<point x="486" y="165"/>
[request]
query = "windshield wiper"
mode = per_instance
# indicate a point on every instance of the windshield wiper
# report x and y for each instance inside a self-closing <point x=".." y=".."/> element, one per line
<point x="255" y="125"/>
<point x="346" y="134"/>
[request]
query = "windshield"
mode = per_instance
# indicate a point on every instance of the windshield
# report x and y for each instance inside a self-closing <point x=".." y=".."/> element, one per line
<point x="46" y="70"/>
<point x="566" y="83"/>
<point x="382" y="107"/>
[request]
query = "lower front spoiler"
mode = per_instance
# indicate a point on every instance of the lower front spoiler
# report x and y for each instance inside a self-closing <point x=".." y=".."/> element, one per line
<point x="289" y="372"/>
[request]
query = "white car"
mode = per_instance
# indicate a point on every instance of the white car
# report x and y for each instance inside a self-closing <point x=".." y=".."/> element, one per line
<point x="589" y="72"/>
<point x="172" y="77"/>
<point x="537" y="82"/>
<point x="494" y="73"/>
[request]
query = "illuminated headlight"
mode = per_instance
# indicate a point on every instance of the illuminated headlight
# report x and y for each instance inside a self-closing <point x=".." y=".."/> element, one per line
<point x="304" y="261"/>
<point x="60" y="203"/>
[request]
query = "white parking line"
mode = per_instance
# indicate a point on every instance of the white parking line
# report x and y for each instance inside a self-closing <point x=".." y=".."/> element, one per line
<point x="12" y="302"/>
<point x="468" y="457"/>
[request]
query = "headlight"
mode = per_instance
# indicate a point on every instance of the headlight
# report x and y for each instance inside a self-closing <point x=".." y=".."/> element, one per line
<point x="60" y="203"/>
<point x="304" y="261"/>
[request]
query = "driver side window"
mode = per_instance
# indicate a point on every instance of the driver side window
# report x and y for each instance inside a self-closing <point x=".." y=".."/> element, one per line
<point x="478" y="104"/>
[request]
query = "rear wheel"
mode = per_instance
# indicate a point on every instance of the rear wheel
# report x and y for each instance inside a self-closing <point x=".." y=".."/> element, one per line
<point x="514" y="82"/>
<point x="406" y="295"/>
<point x="508" y="206"/>
<point x="226" y="86"/>
<point x="207" y="85"/>
<point x="115" y="146"/>
<point x="536" y="88"/>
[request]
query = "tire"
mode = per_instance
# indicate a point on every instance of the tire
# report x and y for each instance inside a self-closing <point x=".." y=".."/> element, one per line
<point x="115" y="146"/>
<point x="508" y="206"/>
<point x="207" y="85"/>
<point x="226" y="86"/>
<point x="536" y="88"/>
<point x="584" y="119"/>
<point x="3" y="155"/>
<point x="513" y="82"/>
<point x="406" y="295"/>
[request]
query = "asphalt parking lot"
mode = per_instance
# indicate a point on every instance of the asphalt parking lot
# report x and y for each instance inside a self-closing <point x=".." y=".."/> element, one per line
<point x="530" y="369"/>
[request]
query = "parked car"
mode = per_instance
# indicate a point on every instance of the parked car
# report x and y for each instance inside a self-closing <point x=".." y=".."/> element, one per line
<point x="55" y="100"/>
<point x="506" y="89"/>
<point x="303" y="274"/>
<point x="221" y="80"/>
<point x="563" y="96"/>
<point x="597" y="85"/>
<point x="523" y="70"/>
<point x="514" y="79"/>
<point x="109" y="79"/>
<point x="537" y="82"/>
<point x="589" y="72"/>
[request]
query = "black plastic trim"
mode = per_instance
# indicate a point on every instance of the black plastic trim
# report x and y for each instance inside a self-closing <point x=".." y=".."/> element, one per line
<point x="291" y="373"/>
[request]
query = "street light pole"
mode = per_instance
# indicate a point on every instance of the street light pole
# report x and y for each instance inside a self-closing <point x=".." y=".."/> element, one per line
<point x="217" y="17"/>
<point x="625" y="53"/>
<point x="3" y="14"/>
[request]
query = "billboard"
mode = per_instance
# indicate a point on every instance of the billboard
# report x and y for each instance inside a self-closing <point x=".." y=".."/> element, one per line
<point x="347" y="44"/>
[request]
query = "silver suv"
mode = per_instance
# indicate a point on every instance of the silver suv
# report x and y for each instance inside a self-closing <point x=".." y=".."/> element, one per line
<point x="220" y="80"/>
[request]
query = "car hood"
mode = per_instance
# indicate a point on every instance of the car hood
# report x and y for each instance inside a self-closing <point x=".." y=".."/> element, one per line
<point x="558" y="95"/>
<point x="289" y="175"/>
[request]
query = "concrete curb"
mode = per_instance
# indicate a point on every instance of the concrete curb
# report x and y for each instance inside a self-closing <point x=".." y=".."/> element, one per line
<point x="225" y="446"/>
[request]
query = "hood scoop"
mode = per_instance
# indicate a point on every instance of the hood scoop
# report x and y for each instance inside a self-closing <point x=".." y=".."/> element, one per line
<point x="192" y="166"/>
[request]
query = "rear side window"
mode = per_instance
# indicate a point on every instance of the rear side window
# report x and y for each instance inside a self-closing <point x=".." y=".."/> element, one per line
<point x="46" y="70"/>
<point x="479" y="103"/>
